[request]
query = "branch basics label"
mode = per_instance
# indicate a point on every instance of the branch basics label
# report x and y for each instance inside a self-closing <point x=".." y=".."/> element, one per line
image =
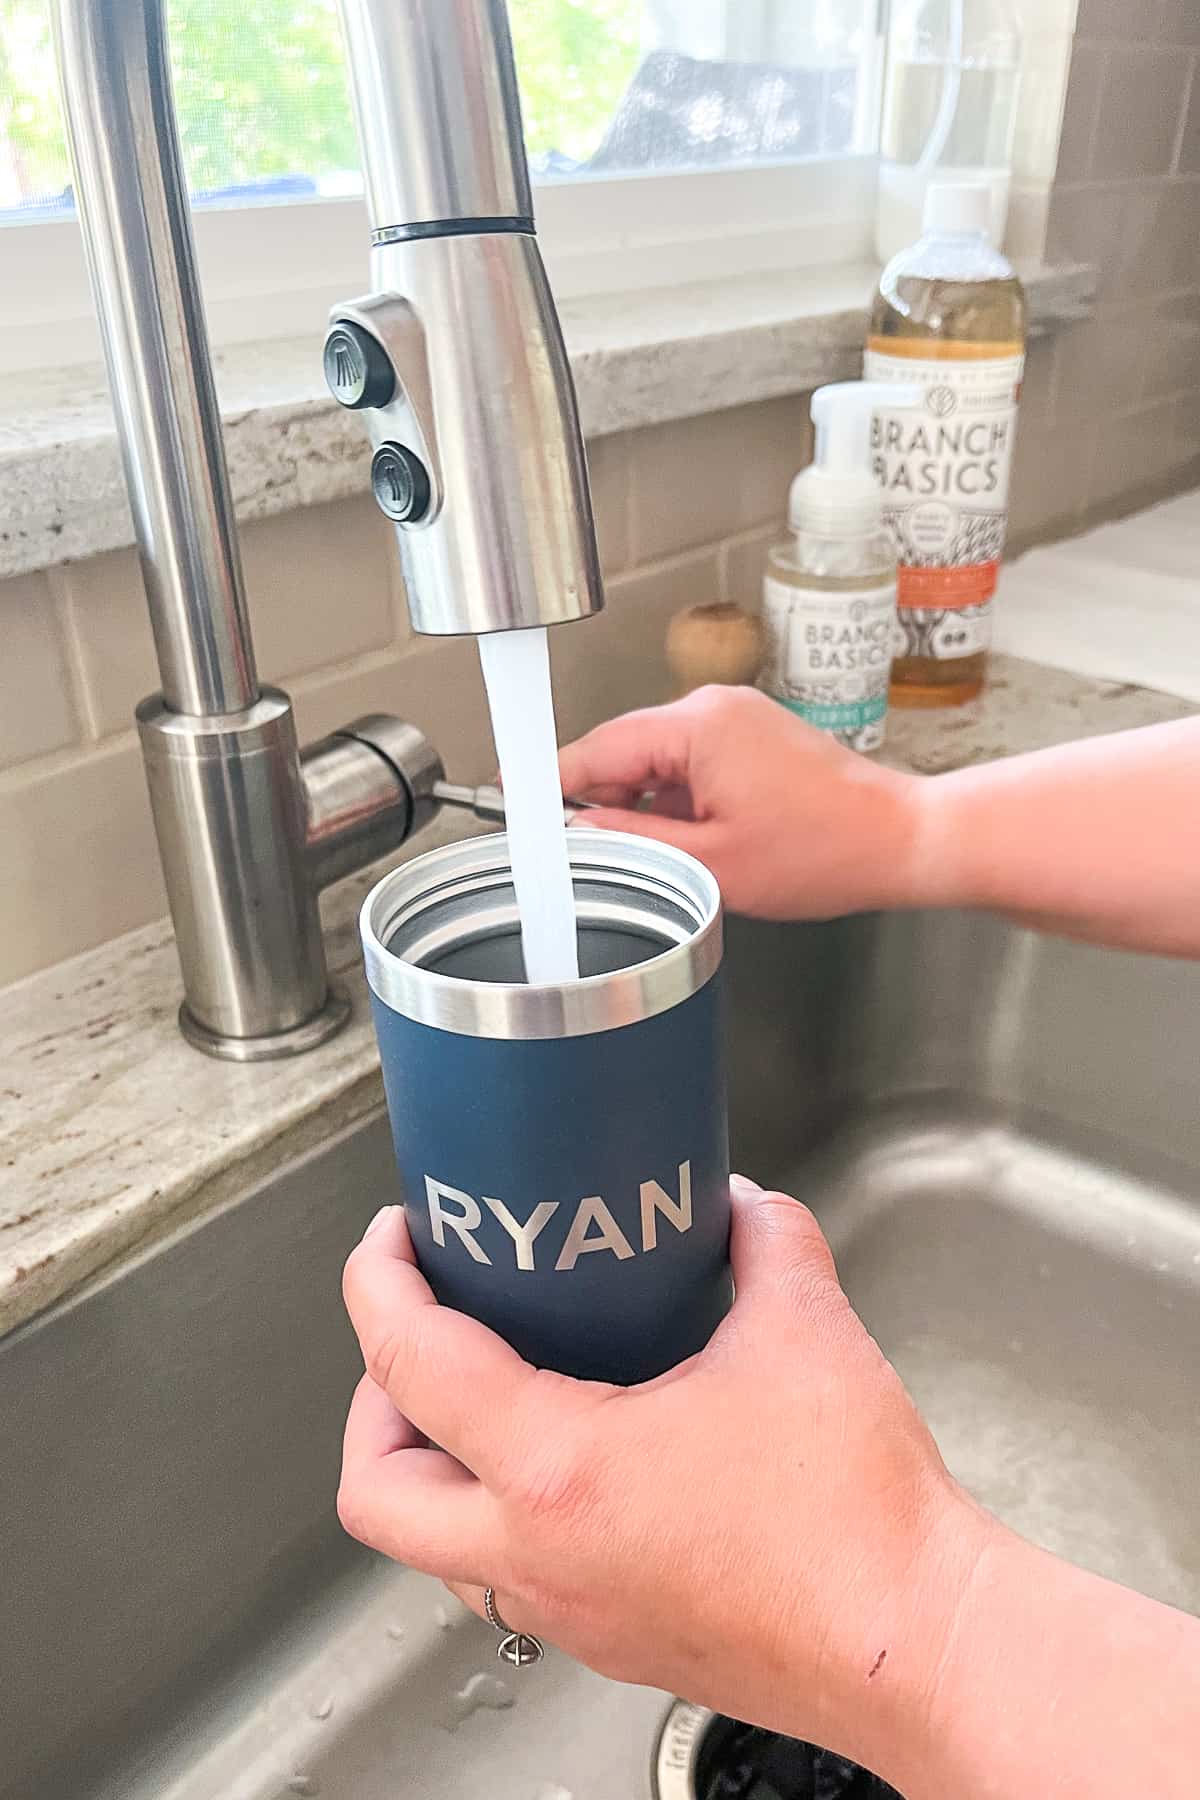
<point x="946" y="469"/>
<point x="831" y="657"/>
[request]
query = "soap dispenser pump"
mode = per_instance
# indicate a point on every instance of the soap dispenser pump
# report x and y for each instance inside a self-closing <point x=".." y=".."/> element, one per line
<point x="829" y="597"/>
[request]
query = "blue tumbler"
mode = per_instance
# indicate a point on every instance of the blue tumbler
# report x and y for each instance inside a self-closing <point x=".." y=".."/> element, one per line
<point x="563" y="1151"/>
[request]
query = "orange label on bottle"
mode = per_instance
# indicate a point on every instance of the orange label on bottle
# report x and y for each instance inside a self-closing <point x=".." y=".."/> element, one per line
<point x="968" y="584"/>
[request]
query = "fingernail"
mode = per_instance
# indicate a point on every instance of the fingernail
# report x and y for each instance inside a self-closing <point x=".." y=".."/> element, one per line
<point x="744" y="1185"/>
<point x="381" y="1218"/>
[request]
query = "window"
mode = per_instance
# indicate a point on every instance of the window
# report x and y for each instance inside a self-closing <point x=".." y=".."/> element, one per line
<point x="656" y="129"/>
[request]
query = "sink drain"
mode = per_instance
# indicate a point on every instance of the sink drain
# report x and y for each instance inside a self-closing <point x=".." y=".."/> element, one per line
<point x="701" y="1755"/>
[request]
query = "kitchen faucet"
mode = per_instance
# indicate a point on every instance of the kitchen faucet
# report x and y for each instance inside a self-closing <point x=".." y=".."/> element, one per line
<point x="456" y="359"/>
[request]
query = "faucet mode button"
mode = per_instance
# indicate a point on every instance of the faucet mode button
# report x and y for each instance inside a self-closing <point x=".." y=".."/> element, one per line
<point x="401" y="484"/>
<point x="357" y="368"/>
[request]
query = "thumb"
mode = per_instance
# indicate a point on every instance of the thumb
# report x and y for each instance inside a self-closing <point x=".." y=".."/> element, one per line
<point x="778" y="1249"/>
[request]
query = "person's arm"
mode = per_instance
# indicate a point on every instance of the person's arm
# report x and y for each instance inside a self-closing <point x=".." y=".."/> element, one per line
<point x="768" y="1531"/>
<point x="1060" y="1684"/>
<point x="1095" y="840"/>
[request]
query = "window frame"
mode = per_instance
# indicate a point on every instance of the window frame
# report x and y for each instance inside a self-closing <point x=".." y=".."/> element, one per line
<point x="272" y="271"/>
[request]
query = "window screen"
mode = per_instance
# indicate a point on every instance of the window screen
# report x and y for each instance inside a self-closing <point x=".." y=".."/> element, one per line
<point x="610" y="87"/>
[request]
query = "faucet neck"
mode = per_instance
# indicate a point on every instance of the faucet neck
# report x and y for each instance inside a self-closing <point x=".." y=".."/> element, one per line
<point x="439" y="117"/>
<point x="133" y="208"/>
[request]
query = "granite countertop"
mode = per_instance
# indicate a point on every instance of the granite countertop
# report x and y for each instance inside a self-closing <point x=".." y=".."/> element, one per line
<point x="638" y="359"/>
<point x="113" y="1132"/>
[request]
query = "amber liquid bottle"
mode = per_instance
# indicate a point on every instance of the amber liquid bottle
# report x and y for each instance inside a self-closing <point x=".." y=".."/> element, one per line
<point x="949" y="316"/>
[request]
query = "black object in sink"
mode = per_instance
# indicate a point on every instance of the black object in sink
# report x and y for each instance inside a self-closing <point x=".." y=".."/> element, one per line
<point x="742" y="1762"/>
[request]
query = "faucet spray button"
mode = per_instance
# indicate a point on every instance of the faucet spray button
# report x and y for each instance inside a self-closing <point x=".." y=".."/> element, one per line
<point x="401" y="484"/>
<point x="357" y="368"/>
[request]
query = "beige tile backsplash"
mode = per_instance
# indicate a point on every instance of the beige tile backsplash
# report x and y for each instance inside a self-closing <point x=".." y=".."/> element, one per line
<point x="1125" y="422"/>
<point x="322" y="585"/>
<point x="1179" y="21"/>
<point x="1050" y="479"/>
<point x="79" y="860"/>
<point x="37" y="708"/>
<point x="704" y="480"/>
<point x="1101" y="365"/>
<point x="1079" y="118"/>
<point x="608" y="467"/>
<point x="743" y="565"/>
<point x="1189" y="143"/>
<point x="684" y="512"/>
<point x="1142" y="93"/>
<point x="1173" y="348"/>
<point x="617" y="661"/>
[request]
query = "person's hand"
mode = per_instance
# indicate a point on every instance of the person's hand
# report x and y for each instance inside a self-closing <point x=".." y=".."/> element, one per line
<point x="768" y="1530"/>
<point x="792" y="825"/>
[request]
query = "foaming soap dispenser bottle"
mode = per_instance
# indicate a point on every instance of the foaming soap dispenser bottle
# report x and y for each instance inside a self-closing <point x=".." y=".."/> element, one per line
<point x="829" y="597"/>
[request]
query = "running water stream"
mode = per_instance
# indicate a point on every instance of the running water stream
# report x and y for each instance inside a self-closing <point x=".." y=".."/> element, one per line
<point x="516" y="671"/>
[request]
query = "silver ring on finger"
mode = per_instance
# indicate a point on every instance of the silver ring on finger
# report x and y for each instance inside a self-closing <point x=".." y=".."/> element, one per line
<point x="519" y="1649"/>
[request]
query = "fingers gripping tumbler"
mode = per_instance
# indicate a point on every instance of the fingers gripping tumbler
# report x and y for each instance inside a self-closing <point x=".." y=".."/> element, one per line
<point x="563" y="1151"/>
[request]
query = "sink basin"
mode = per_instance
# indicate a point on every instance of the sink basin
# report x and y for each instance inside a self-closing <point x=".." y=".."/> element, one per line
<point x="1041" y="1303"/>
<point x="1001" y="1136"/>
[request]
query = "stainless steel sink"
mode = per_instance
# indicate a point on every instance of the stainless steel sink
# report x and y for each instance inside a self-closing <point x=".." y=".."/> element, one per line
<point x="1002" y="1137"/>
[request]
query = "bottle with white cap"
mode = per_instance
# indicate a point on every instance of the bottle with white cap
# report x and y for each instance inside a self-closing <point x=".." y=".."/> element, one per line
<point x="829" y="598"/>
<point x="950" y="317"/>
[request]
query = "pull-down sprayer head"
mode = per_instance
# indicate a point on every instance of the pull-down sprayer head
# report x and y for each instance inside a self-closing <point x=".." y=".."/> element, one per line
<point x="457" y="357"/>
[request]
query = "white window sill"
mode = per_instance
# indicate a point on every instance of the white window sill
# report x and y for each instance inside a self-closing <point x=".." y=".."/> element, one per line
<point x="639" y="359"/>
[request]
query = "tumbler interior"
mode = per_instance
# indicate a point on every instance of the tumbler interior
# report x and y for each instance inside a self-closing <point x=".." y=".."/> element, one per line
<point x="474" y="934"/>
<point x="442" y="938"/>
<point x="491" y="952"/>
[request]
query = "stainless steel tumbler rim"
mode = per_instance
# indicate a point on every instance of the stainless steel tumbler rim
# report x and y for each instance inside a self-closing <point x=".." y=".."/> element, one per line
<point x="462" y="893"/>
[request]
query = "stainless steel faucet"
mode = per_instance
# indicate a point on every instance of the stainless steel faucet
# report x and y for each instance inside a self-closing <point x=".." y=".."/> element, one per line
<point x="458" y="361"/>
<point x="457" y="358"/>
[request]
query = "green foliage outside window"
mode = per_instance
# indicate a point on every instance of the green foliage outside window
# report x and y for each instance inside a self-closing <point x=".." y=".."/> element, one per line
<point x="576" y="58"/>
<point x="261" y="89"/>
